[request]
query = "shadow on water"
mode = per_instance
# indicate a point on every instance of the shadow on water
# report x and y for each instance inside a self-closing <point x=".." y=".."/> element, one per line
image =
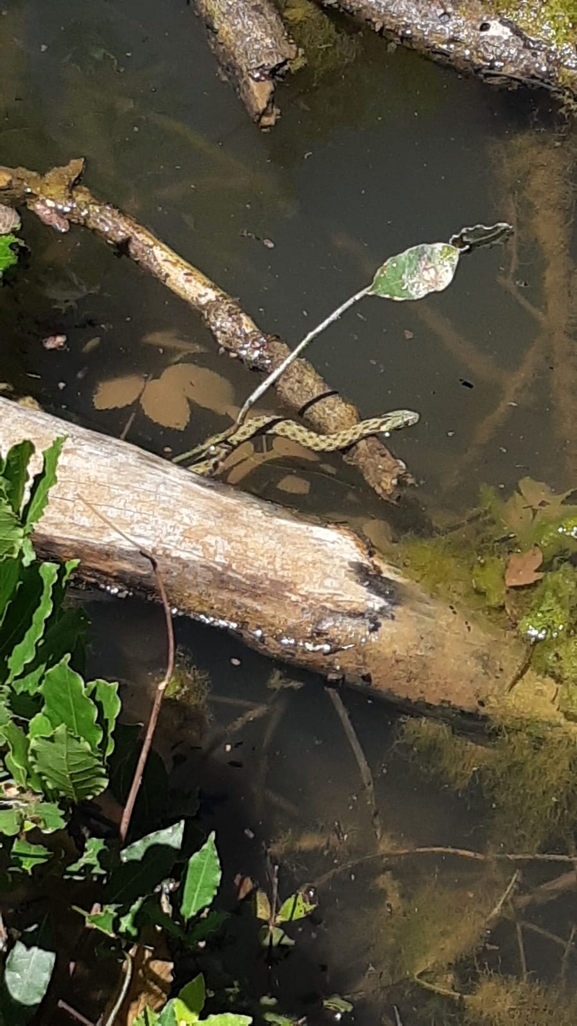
<point x="370" y="156"/>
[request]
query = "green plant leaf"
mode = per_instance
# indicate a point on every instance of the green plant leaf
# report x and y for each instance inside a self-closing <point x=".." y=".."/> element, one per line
<point x="193" y="995"/>
<point x="89" y="864"/>
<point x="145" y="864"/>
<point x="129" y="923"/>
<point x="9" y="576"/>
<point x="10" y="822"/>
<point x="105" y="695"/>
<point x="47" y="816"/>
<point x="41" y="485"/>
<point x="105" y="920"/>
<point x="11" y="531"/>
<point x="68" y="766"/>
<point x="228" y="1019"/>
<point x="26" y="855"/>
<point x="418" y="271"/>
<point x="27" y="973"/>
<point x="18" y="758"/>
<point x="15" y="473"/>
<point x="295" y="907"/>
<point x="40" y="726"/>
<point x="66" y="701"/>
<point x="146" y="1018"/>
<point x="203" y="927"/>
<point x="168" y="1015"/>
<point x="9" y="246"/>
<point x="202" y="879"/>
<point x="23" y="652"/>
<point x="177" y="1012"/>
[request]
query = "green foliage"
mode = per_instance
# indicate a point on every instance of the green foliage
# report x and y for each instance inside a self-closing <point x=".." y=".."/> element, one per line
<point x="201" y="880"/>
<point x="415" y="273"/>
<point x="297" y="906"/>
<point x="27" y="973"/>
<point x="9" y="246"/>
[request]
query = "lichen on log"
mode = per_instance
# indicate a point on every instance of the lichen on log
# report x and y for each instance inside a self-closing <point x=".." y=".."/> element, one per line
<point x="59" y="200"/>
<point x="253" y="50"/>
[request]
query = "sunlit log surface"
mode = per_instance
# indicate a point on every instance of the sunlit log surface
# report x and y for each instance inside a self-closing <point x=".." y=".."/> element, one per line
<point x="293" y="588"/>
<point x="253" y="49"/>
<point x="521" y="49"/>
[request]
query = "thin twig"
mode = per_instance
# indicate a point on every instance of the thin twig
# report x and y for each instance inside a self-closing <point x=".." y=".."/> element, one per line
<point x="569" y="950"/>
<point x="359" y="755"/>
<point x="222" y="733"/>
<point x="124" y="990"/>
<point x="74" y="1014"/>
<point x="153" y="719"/>
<point x="496" y="912"/>
<point x="443" y="991"/>
<point x="521" y="947"/>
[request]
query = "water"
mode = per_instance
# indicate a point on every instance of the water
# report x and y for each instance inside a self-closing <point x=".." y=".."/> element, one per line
<point x="366" y="160"/>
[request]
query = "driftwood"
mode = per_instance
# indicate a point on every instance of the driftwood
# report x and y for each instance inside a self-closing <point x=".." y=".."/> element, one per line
<point x="469" y="35"/>
<point x="59" y="201"/>
<point x="253" y="49"/>
<point x="312" y="595"/>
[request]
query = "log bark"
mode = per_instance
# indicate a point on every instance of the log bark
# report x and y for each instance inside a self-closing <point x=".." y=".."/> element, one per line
<point x="253" y="49"/>
<point x="59" y="200"/>
<point x="312" y="595"/>
<point x="522" y="49"/>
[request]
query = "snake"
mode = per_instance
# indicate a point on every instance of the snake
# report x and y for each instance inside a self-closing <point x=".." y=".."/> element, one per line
<point x="219" y="446"/>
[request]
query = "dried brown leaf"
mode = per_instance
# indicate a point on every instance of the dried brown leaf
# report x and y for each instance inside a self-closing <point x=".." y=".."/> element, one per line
<point x="294" y="485"/>
<point x="522" y="568"/>
<point x="118" y="392"/>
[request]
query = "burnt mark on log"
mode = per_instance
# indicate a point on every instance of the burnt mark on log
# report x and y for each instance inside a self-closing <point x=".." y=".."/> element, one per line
<point x="381" y="587"/>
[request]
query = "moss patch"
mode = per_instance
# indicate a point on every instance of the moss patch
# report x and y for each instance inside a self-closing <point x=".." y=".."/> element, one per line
<point x="555" y="21"/>
<point x="499" y="1001"/>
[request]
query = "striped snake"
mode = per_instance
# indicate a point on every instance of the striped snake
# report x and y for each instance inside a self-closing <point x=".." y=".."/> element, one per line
<point x="217" y="448"/>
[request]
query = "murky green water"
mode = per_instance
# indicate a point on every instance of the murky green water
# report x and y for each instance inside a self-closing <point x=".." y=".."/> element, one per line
<point x="366" y="160"/>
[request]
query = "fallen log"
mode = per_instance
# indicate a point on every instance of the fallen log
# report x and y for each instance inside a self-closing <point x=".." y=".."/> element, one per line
<point x="59" y="200"/>
<point x="253" y="50"/>
<point x="312" y="595"/>
<point x="530" y="45"/>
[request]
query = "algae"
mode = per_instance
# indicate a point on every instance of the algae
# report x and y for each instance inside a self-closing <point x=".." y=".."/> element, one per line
<point x="505" y="1001"/>
<point x="526" y="778"/>
<point x="323" y="45"/>
<point x="554" y="21"/>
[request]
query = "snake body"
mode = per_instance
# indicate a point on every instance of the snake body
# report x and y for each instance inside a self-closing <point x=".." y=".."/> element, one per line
<point x="217" y="448"/>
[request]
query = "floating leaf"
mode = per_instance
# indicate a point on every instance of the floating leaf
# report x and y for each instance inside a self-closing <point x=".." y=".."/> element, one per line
<point x="522" y="568"/>
<point x="481" y="235"/>
<point x="296" y="907"/>
<point x="206" y="388"/>
<point x="116" y="393"/>
<point x="164" y="400"/>
<point x="27" y="973"/>
<point x="201" y="880"/>
<point x="68" y="766"/>
<point x="263" y="909"/>
<point x="429" y="267"/>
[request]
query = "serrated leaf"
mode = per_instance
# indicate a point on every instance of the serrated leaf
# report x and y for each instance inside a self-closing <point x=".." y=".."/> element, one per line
<point x="418" y="271"/>
<point x="47" y="816"/>
<point x="146" y="863"/>
<point x="41" y="485"/>
<point x="15" y="473"/>
<point x="193" y="995"/>
<point x="26" y="855"/>
<point x="68" y="766"/>
<point x="105" y="695"/>
<point x="23" y="652"/>
<point x="66" y="701"/>
<point x="27" y="973"/>
<point x="202" y="879"/>
<point x="116" y="393"/>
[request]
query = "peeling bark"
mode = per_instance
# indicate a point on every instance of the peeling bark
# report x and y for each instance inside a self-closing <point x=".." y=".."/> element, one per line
<point x="312" y="595"/>
<point x="253" y="50"/>
<point x="470" y="36"/>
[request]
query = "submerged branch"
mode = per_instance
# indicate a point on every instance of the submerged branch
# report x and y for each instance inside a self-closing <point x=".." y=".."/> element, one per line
<point x="59" y="201"/>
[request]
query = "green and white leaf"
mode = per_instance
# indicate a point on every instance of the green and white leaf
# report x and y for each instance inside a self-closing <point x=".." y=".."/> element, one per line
<point x="26" y="856"/>
<point x="414" y="274"/>
<point x="145" y="864"/>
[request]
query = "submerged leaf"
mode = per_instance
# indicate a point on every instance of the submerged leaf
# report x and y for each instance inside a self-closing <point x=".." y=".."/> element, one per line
<point x="522" y="568"/>
<point x="116" y="393"/>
